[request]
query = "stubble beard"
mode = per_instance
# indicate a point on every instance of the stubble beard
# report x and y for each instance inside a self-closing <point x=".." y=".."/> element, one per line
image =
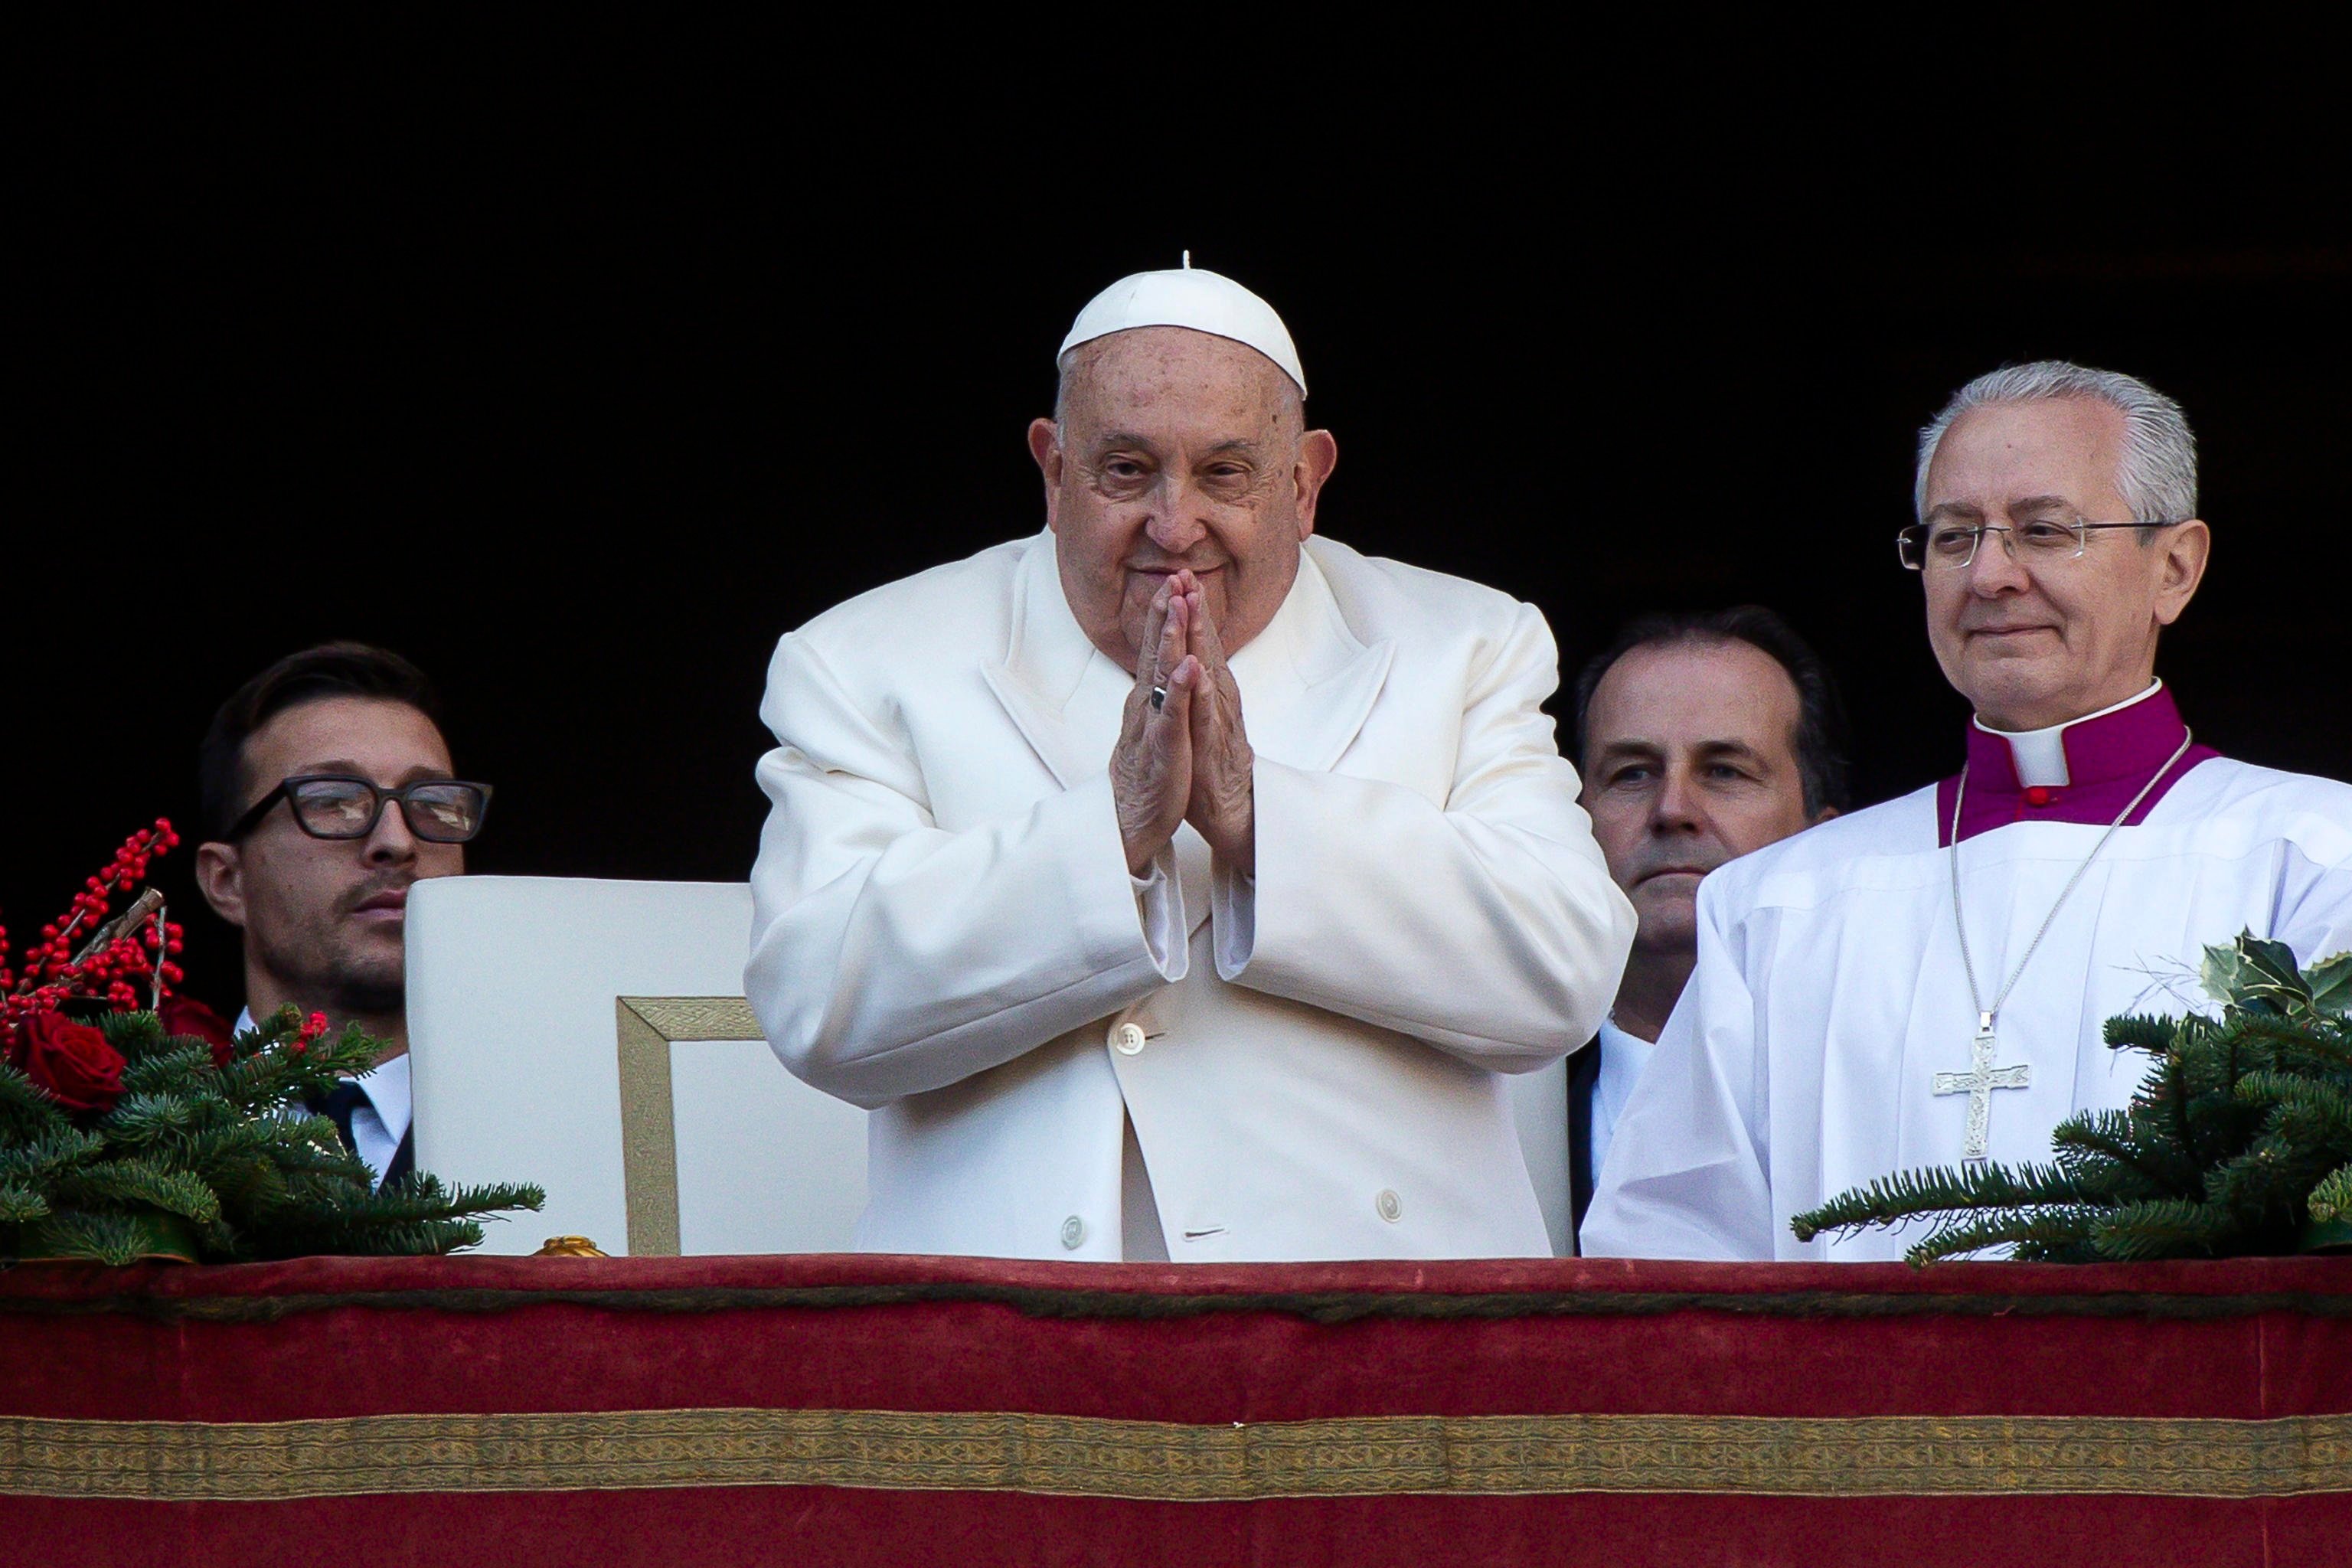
<point x="324" y="972"/>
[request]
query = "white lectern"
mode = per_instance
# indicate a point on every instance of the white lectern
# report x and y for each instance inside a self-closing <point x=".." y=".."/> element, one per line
<point x="592" y="1037"/>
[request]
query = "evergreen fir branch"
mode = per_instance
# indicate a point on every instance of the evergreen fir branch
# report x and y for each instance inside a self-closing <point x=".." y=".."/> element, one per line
<point x="2305" y="1109"/>
<point x="24" y="1110"/>
<point x="250" y="1190"/>
<point x="167" y="1122"/>
<point x="211" y="1149"/>
<point x="40" y="1160"/>
<point x="2248" y="1043"/>
<point x="168" y="1070"/>
<point x="2256" y="1186"/>
<point x="1890" y="1200"/>
<point x="2114" y="1179"/>
<point x="2224" y="1123"/>
<point x="404" y="1238"/>
<point x="2173" y="1094"/>
<point x="331" y="1061"/>
<point x="2162" y="1227"/>
<point x="274" y="1082"/>
<point x="2274" y="1177"/>
<point x="2321" y="1048"/>
<point x="136" y="1035"/>
<point x="2205" y="1063"/>
<point x="2057" y="1227"/>
<point x="2332" y="1198"/>
<point x="2055" y="1252"/>
<point x="104" y="1236"/>
<point x="2139" y="1032"/>
<point x="2240" y="1132"/>
<point x="2117" y="1136"/>
<point x="275" y="1079"/>
<point x="141" y="1182"/>
<point x="20" y="1203"/>
<point x="421" y="1194"/>
<point x="228" y="1149"/>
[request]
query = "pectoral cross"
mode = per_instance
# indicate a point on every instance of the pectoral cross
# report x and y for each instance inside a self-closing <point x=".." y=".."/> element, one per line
<point x="1979" y="1083"/>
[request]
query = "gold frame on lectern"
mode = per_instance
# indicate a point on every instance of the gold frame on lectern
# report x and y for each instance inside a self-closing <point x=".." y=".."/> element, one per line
<point x="647" y="1027"/>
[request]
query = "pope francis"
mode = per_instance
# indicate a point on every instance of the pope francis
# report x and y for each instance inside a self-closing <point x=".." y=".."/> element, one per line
<point x="1172" y="883"/>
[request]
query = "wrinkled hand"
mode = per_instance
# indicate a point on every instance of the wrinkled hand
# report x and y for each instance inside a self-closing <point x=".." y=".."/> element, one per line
<point x="1152" y="771"/>
<point x="1222" y="804"/>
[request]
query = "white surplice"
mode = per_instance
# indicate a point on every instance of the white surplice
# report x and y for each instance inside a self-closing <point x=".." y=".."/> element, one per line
<point x="1830" y="992"/>
<point x="945" y="929"/>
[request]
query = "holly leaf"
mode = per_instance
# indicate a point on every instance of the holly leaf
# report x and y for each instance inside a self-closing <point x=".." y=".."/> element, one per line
<point x="2255" y="970"/>
<point x="2331" y="984"/>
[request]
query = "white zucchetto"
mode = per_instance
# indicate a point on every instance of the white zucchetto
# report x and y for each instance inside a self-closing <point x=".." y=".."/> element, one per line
<point x="1189" y="296"/>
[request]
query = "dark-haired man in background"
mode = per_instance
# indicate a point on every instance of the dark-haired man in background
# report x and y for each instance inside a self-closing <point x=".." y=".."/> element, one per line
<point x="1700" y="737"/>
<point x="327" y="793"/>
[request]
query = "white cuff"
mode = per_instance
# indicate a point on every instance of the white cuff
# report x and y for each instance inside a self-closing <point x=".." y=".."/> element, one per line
<point x="1233" y="917"/>
<point x="1159" y="909"/>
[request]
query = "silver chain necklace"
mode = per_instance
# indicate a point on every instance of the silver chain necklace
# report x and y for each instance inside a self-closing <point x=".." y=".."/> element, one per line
<point x="1983" y="1078"/>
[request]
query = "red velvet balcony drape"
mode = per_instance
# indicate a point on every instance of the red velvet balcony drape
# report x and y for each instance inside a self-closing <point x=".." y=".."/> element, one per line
<point x="858" y="1409"/>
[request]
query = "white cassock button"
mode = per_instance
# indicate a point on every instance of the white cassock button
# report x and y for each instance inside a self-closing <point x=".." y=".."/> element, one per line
<point x="1127" y="1040"/>
<point x="1074" y="1232"/>
<point x="1392" y="1207"/>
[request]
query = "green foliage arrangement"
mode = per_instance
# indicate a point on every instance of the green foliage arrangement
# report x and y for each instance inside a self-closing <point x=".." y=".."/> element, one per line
<point x="128" y="1135"/>
<point x="2238" y="1142"/>
<point x="206" y="1154"/>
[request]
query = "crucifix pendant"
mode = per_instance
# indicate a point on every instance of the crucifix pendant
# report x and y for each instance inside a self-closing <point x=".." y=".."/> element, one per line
<point x="1977" y="1083"/>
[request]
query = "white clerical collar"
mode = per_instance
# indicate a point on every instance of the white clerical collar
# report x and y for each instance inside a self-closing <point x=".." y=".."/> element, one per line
<point x="2041" y="755"/>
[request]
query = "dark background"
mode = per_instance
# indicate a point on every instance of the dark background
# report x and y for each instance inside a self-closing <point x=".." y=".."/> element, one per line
<point x="579" y="391"/>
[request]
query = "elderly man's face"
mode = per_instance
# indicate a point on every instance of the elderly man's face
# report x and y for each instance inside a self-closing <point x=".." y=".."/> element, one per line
<point x="2036" y="644"/>
<point x="1690" y="760"/>
<point x="1177" y="450"/>
<point x="326" y="919"/>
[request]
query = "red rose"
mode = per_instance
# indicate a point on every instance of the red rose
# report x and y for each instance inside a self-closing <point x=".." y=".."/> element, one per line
<point x="187" y="1016"/>
<point x="72" y="1061"/>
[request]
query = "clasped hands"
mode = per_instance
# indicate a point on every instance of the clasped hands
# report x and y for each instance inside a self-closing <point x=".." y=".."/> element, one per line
<point x="1186" y="759"/>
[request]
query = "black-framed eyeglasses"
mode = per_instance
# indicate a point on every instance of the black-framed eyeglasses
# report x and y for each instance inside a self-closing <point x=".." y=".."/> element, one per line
<point x="2041" y="541"/>
<point x="338" y="805"/>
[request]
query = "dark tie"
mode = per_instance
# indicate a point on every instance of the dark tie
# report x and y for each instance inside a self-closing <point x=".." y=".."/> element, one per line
<point x="1583" y="1076"/>
<point x="338" y="1104"/>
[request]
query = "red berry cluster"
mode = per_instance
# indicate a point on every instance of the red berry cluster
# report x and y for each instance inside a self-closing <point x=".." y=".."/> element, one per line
<point x="131" y="967"/>
<point x="312" y="1027"/>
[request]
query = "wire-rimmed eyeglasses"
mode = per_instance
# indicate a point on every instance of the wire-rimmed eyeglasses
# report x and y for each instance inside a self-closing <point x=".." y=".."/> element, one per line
<point x="339" y="805"/>
<point x="2043" y="540"/>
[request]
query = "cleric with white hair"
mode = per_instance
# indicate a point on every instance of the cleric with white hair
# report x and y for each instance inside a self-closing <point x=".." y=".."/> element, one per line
<point x="1175" y="883"/>
<point x="1926" y="983"/>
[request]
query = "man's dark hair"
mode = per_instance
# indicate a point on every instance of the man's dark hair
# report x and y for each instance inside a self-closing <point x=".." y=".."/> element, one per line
<point x="330" y="670"/>
<point x="1820" y="741"/>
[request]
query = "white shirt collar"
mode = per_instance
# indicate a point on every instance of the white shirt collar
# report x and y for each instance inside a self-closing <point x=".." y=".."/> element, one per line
<point x="1623" y="1058"/>
<point x="2041" y="755"/>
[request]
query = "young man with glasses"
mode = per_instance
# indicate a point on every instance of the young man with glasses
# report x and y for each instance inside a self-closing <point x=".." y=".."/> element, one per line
<point x="1926" y="982"/>
<point x="327" y="793"/>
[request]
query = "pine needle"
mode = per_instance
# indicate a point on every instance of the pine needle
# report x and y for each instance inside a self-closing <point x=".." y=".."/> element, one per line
<point x="2241" y="1130"/>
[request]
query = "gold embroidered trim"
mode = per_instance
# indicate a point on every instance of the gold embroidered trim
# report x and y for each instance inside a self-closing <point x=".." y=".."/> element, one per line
<point x="1898" y="1456"/>
<point x="646" y="1027"/>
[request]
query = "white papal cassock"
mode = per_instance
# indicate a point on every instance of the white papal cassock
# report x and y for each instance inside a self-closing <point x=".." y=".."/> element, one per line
<point x="1830" y="989"/>
<point x="946" y="929"/>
